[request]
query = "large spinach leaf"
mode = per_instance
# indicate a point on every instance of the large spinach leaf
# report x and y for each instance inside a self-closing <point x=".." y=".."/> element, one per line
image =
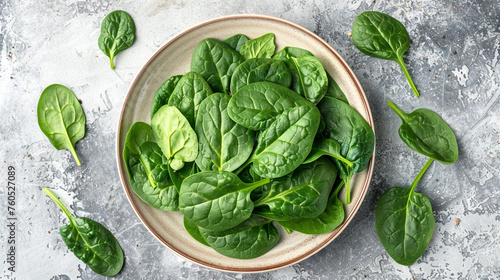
<point x="174" y="135"/>
<point x="61" y="118"/>
<point x="256" y="105"/>
<point x="223" y="144"/>
<point x="117" y="34"/>
<point x="309" y="77"/>
<point x="236" y="41"/>
<point x="425" y="132"/>
<point x="380" y="35"/>
<point x="259" y="47"/>
<point x="252" y="238"/>
<point x="285" y="144"/>
<point x="217" y="200"/>
<point x="404" y="221"/>
<point x="330" y="219"/>
<point x="189" y="92"/>
<point x="163" y="93"/>
<point x="259" y="70"/>
<point x="354" y="134"/>
<point x="215" y="62"/>
<point x="91" y="242"/>
<point x="302" y="194"/>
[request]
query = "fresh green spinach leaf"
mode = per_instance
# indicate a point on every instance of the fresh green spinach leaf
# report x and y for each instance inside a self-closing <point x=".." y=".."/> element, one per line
<point x="163" y="93"/>
<point x="302" y="194"/>
<point x="334" y="90"/>
<point x="174" y="135"/>
<point x="215" y="62"/>
<point x="259" y="47"/>
<point x="380" y="35"/>
<point x="61" y="118"/>
<point x="188" y="94"/>
<point x="309" y="77"/>
<point x="194" y="231"/>
<point x="288" y="52"/>
<point x="259" y="70"/>
<point x="91" y="242"/>
<point x="251" y="239"/>
<point x="326" y="147"/>
<point x="217" y="200"/>
<point x="236" y="41"/>
<point x="223" y="144"/>
<point x="425" y="132"/>
<point x="404" y="221"/>
<point x="117" y="34"/>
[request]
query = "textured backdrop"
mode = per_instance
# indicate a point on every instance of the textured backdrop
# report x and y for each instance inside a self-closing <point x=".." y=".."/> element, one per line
<point x="453" y="59"/>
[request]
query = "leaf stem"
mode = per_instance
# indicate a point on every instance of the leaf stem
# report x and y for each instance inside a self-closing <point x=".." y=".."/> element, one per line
<point x="420" y="174"/>
<point x="73" y="152"/>
<point x="339" y="187"/>
<point x="347" y="182"/>
<point x="111" y="56"/>
<point x="402" y="64"/>
<point x="58" y="202"/>
<point x="396" y="109"/>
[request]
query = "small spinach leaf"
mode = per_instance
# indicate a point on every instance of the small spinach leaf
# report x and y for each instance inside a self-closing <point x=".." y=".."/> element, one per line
<point x="223" y="144"/>
<point x="334" y="90"/>
<point x="215" y="62"/>
<point x="91" y="242"/>
<point x="256" y="105"/>
<point x="189" y="92"/>
<point x="259" y="70"/>
<point x="259" y="47"/>
<point x="302" y="194"/>
<point x="236" y="41"/>
<point x="138" y="133"/>
<point x="288" y="52"/>
<point x="425" y="132"/>
<point x="163" y="93"/>
<point x="117" y="34"/>
<point x="61" y="118"/>
<point x="174" y="135"/>
<point x="380" y="35"/>
<point x="309" y="77"/>
<point x="216" y="200"/>
<point x="252" y="238"/>
<point x="404" y="221"/>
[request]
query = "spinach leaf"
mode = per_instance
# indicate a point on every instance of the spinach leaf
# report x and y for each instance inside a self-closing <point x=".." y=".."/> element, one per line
<point x="330" y="219"/>
<point x="328" y="147"/>
<point x="288" y="52"/>
<point x="61" y="118"/>
<point x="91" y="242"/>
<point x="425" y="132"/>
<point x="117" y="34"/>
<point x="354" y="134"/>
<point x="163" y="93"/>
<point x="259" y="70"/>
<point x="380" y="35"/>
<point x="216" y="200"/>
<point x="189" y="92"/>
<point x="147" y="168"/>
<point x="259" y="47"/>
<point x="215" y="62"/>
<point x="177" y="176"/>
<point x="236" y="41"/>
<point x="174" y="135"/>
<point x="252" y="238"/>
<point x="256" y="105"/>
<point x="404" y="221"/>
<point x="309" y="77"/>
<point x="285" y="144"/>
<point x="302" y="194"/>
<point x="194" y="231"/>
<point x="223" y="144"/>
<point x="334" y="90"/>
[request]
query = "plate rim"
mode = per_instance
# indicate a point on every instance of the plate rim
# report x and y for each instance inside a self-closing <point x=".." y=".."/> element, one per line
<point x="334" y="234"/>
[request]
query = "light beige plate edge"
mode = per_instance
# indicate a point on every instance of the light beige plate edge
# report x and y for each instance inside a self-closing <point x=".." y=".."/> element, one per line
<point x="174" y="59"/>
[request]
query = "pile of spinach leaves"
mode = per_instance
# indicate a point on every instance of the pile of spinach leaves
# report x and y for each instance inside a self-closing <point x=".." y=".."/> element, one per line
<point x="249" y="139"/>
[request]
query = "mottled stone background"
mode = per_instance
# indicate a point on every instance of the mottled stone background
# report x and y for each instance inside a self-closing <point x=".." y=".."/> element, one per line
<point x="453" y="60"/>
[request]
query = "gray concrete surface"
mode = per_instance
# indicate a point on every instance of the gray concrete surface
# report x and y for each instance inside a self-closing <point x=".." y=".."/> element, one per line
<point x="453" y="59"/>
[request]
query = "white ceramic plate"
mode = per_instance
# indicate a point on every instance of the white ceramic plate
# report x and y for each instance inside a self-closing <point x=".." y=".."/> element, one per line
<point x="174" y="59"/>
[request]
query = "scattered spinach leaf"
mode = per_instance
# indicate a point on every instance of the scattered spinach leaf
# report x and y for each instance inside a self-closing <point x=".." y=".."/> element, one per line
<point x="61" y="118"/>
<point x="380" y="35"/>
<point x="117" y="34"/>
<point x="91" y="242"/>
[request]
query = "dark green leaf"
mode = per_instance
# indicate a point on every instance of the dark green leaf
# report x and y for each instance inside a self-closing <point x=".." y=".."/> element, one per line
<point x="328" y="147"/>
<point x="194" y="231"/>
<point x="425" y="132"/>
<point x="163" y="93"/>
<point x="334" y="90"/>
<point x="61" y="118"/>
<point x="259" y="70"/>
<point x="117" y="34"/>
<point x="288" y="52"/>
<point x="259" y="47"/>
<point x="309" y="77"/>
<point x="236" y="41"/>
